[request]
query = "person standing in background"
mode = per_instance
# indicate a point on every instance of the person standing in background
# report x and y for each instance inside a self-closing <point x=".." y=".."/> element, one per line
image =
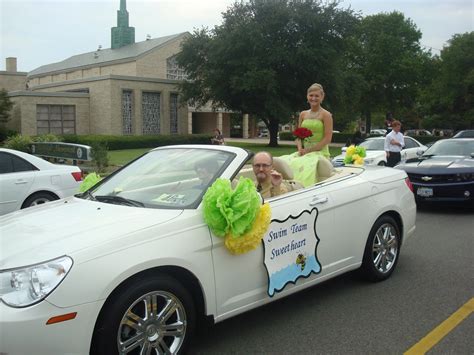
<point x="394" y="143"/>
<point x="218" y="137"/>
<point x="388" y="122"/>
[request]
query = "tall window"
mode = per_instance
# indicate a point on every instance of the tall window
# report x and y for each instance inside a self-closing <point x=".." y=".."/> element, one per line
<point x="173" y="113"/>
<point x="151" y="112"/>
<point x="56" y="119"/>
<point x="173" y="71"/>
<point x="127" y="106"/>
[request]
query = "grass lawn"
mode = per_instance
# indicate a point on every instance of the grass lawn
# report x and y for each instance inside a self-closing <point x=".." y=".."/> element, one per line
<point x="122" y="157"/>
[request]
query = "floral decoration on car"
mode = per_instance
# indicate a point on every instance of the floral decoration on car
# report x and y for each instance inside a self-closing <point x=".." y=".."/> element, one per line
<point x="90" y="180"/>
<point x="236" y="215"/>
<point x="355" y="155"/>
<point x="302" y="133"/>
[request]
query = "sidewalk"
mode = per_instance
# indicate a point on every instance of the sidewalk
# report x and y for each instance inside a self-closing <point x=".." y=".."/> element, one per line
<point x="265" y="140"/>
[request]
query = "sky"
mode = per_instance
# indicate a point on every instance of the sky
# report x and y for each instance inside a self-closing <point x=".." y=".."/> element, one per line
<point x="40" y="32"/>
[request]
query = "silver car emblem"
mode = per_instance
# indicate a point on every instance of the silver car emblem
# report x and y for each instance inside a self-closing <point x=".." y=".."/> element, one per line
<point x="426" y="178"/>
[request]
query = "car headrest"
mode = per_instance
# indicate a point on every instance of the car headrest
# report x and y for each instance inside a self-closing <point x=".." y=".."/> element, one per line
<point x="325" y="169"/>
<point x="283" y="168"/>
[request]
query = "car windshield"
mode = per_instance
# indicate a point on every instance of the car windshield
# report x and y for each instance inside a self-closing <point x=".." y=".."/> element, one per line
<point x="451" y="147"/>
<point x="175" y="178"/>
<point x="373" y="144"/>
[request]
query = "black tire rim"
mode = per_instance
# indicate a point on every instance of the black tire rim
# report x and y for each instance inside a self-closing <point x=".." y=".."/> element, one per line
<point x="154" y="324"/>
<point x="385" y="248"/>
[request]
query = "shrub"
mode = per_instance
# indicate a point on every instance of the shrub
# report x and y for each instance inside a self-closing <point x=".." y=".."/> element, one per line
<point x="134" y="142"/>
<point x="99" y="156"/>
<point x="19" y="142"/>
<point x="286" y="136"/>
<point x="49" y="137"/>
<point x="5" y="133"/>
<point x="336" y="137"/>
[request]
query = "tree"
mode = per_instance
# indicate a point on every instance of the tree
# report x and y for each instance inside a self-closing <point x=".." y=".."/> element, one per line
<point x="264" y="56"/>
<point x="390" y="61"/>
<point x="450" y="98"/>
<point x="5" y="106"/>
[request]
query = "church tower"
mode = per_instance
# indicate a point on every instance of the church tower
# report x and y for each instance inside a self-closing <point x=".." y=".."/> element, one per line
<point x="123" y="34"/>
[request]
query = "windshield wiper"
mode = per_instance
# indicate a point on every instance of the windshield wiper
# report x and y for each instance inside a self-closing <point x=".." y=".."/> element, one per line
<point x="119" y="200"/>
<point x="427" y="155"/>
<point x="86" y="194"/>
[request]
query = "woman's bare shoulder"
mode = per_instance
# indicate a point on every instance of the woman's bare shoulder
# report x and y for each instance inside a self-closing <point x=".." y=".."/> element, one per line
<point x="325" y="114"/>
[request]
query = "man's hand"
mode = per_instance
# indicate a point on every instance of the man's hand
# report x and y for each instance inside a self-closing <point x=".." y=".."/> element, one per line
<point x="395" y="142"/>
<point x="276" y="178"/>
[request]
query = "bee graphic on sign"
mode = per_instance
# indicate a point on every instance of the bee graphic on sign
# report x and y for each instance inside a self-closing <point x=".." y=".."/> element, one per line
<point x="301" y="261"/>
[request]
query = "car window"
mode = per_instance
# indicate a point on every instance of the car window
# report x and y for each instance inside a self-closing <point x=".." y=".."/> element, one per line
<point x="6" y="163"/>
<point x="410" y="143"/>
<point x="20" y="164"/>
<point x="166" y="178"/>
<point x="373" y="144"/>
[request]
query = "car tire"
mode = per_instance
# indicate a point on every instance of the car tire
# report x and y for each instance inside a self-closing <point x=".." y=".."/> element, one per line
<point x="382" y="163"/>
<point x="126" y="323"/>
<point x="38" y="199"/>
<point x="382" y="250"/>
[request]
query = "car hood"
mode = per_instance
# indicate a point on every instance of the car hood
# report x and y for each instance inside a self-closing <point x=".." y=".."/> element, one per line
<point x="434" y="163"/>
<point x="66" y="226"/>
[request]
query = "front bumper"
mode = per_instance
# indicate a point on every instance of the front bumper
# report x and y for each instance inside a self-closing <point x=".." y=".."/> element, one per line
<point x="452" y="193"/>
<point x="24" y="330"/>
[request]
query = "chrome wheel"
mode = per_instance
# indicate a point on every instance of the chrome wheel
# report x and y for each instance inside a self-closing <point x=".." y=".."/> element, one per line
<point x="385" y="248"/>
<point x="154" y="324"/>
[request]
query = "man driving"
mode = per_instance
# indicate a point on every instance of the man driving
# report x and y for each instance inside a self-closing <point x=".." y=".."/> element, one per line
<point x="269" y="182"/>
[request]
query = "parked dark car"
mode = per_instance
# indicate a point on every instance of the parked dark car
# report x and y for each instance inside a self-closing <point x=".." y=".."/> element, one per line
<point x="468" y="133"/>
<point x="444" y="173"/>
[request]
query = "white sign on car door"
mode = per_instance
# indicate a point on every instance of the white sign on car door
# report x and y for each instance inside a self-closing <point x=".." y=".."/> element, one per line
<point x="290" y="250"/>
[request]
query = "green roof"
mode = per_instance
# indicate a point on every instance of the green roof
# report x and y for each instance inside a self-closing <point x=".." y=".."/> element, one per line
<point x="104" y="56"/>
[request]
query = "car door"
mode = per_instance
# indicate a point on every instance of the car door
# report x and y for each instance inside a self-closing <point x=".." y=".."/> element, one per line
<point x="242" y="281"/>
<point x="16" y="178"/>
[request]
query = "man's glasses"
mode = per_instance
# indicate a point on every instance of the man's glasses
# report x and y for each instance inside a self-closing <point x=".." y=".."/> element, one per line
<point x="262" y="166"/>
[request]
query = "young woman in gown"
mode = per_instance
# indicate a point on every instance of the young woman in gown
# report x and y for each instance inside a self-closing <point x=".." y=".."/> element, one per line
<point x="304" y="162"/>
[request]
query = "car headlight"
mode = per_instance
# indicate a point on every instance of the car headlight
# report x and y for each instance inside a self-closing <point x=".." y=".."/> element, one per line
<point x="28" y="285"/>
<point x="368" y="161"/>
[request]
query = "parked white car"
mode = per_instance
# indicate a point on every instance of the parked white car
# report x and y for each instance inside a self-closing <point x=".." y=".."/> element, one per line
<point x="380" y="131"/>
<point x="130" y="265"/>
<point x="375" y="151"/>
<point x="27" y="180"/>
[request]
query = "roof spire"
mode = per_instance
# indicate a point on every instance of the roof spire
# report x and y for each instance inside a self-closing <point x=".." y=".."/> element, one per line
<point x="123" y="34"/>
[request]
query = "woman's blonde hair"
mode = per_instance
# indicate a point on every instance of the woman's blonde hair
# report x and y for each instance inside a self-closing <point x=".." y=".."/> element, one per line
<point x="316" y="87"/>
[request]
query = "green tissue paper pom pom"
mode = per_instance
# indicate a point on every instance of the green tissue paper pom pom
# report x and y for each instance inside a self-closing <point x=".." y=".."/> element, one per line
<point x="89" y="181"/>
<point x="245" y="207"/>
<point x="360" y="151"/>
<point x="217" y="206"/>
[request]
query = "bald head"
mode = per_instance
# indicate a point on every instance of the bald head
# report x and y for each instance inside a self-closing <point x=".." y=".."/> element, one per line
<point x="262" y="166"/>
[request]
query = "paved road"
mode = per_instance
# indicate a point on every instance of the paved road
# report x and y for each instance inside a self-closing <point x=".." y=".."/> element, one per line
<point x="349" y="316"/>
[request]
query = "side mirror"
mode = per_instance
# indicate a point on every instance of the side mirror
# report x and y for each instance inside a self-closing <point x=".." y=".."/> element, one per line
<point x="419" y="152"/>
<point x="343" y="150"/>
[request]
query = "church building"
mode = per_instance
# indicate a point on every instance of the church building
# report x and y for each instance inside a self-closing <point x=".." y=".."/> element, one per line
<point x="128" y="89"/>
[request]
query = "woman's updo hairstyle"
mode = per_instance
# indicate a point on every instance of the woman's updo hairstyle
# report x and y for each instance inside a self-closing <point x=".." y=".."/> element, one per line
<point x="316" y="87"/>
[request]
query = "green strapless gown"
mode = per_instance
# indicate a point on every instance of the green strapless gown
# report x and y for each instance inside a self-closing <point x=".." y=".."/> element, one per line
<point x="305" y="167"/>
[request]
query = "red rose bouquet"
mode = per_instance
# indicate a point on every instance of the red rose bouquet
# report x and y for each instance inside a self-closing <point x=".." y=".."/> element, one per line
<point x="302" y="133"/>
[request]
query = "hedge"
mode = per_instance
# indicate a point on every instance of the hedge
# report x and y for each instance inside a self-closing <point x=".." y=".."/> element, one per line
<point x="336" y="137"/>
<point x="134" y="142"/>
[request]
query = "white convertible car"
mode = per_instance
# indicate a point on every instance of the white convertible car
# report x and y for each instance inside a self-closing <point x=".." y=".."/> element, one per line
<point x="131" y="266"/>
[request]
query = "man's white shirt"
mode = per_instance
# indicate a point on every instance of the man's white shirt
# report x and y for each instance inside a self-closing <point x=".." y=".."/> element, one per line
<point x="388" y="147"/>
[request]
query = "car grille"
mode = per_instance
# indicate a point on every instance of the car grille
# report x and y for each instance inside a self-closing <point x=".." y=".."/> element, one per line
<point x="441" y="179"/>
